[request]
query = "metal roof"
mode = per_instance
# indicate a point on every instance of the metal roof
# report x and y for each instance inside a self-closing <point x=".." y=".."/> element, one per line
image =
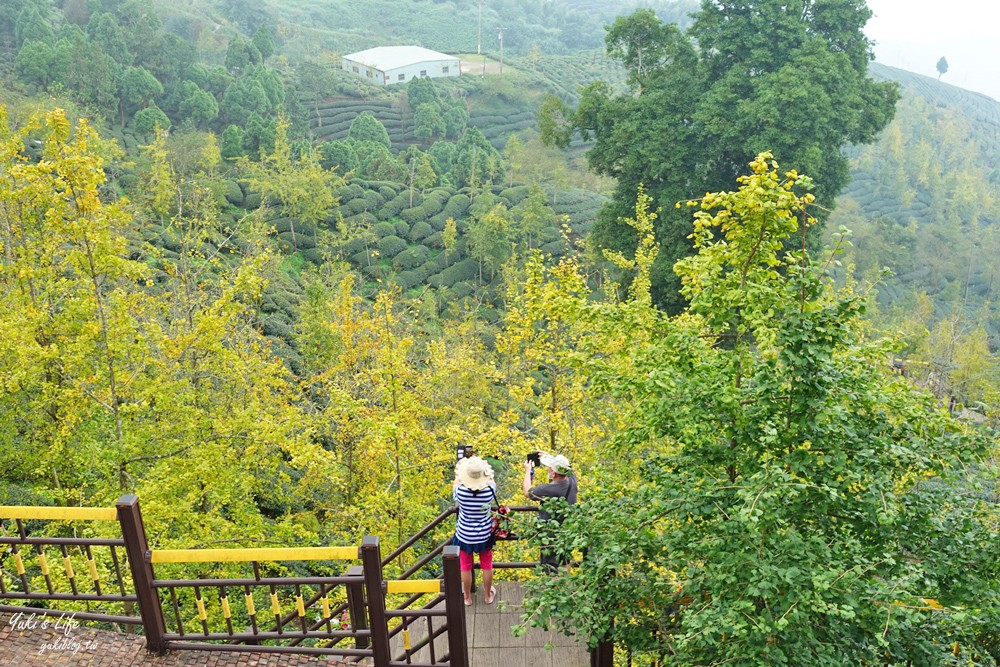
<point x="390" y="57"/>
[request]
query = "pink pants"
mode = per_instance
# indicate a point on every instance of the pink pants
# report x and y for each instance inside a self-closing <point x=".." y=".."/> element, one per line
<point x="485" y="560"/>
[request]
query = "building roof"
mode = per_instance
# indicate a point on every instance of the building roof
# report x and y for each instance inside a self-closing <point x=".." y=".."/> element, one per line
<point x="390" y="57"/>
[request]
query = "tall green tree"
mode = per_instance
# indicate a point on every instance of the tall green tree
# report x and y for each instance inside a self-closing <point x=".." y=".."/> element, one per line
<point x="489" y="240"/>
<point x="301" y="187"/>
<point x="241" y="54"/>
<point x="107" y="33"/>
<point x="245" y="96"/>
<point x="199" y="106"/>
<point x="476" y="162"/>
<point x="149" y="120"/>
<point x="263" y="41"/>
<point x="366" y="127"/>
<point x="32" y="24"/>
<point x="942" y="66"/>
<point x="427" y="122"/>
<point x="138" y="87"/>
<point x="790" y="78"/>
<point x="35" y="63"/>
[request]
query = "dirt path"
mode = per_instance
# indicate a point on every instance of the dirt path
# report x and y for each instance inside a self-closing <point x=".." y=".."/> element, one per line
<point x="475" y="66"/>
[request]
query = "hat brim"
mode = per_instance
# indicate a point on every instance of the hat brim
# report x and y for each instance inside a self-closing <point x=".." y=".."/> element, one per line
<point x="473" y="484"/>
<point x="560" y="466"/>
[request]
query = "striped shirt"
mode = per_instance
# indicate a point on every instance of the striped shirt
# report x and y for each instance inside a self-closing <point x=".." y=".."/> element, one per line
<point x="475" y="524"/>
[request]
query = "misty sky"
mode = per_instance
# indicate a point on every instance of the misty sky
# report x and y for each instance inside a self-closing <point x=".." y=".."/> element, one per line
<point x="914" y="34"/>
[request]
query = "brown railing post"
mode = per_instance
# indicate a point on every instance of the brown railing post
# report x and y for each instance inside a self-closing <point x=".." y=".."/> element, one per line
<point x="603" y="655"/>
<point x="136" y="547"/>
<point x="371" y="562"/>
<point x="454" y="604"/>
<point x="356" y="605"/>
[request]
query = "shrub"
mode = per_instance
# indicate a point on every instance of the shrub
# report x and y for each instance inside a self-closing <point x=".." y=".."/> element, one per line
<point x="282" y="225"/>
<point x="315" y="255"/>
<point x="434" y="264"/>
<point x="252" y="201"/>
<point x="554" y="247"/>
<point x="462" y="289"/>
<point x="384" y="229"/>
<point x="408" y="279"/>
<point x="399" y="202"/>
<point x="373" y="271"/>
<point x="420" y="230"/>
<point x="515" y="194"/>
<point x="360" y="221"/>
<point x="362" y="258"/>
<point x="348" y="192"/>
<point x="390" y="246"/>
<point x="457" y="206"/>
<point x="302" y="241"/>
<point x="355" y="206"/>
<point x="355" y="245"/>
<point x="402" y="229"/>
<point x="435" y="240"/>
<point x="411" y="258"/>
<point x="431" y="205"/>
<point x="467" y="269"/>
<point x="233" y="193"/>
<point x="274" y="326"/>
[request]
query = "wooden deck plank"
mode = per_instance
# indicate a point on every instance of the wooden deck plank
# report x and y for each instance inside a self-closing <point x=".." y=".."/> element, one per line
<point x="565" y="656"/>
<point x="487" y="629"/>
<point x="514" y="657"/>
<point x="507" y="621"/>
<point x="536" y="656"/>
<point x="560" y="639"/>
<point x="537" y="637"/>
<point x="485" y="657"/>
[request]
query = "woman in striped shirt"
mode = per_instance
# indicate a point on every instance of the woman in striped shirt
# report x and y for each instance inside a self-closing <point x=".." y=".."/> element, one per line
<point x="475" y="491"/>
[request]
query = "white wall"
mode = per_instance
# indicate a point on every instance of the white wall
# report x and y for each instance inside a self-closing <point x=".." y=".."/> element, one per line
<point x="431" y="68"/>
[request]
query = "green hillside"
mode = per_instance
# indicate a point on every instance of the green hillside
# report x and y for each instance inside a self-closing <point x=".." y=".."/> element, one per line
<point x="924" y="201"/>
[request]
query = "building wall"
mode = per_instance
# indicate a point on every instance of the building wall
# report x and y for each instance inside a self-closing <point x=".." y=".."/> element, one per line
<point x="373" y="75"/>
<point x="430" y="68"/>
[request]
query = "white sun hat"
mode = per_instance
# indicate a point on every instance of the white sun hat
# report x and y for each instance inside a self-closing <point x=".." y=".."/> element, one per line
<point x="474" y="473"/>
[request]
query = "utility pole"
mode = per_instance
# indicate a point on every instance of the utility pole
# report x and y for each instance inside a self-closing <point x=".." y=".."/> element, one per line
<point x="500" y="35"/>
<point x="479" y="29"/>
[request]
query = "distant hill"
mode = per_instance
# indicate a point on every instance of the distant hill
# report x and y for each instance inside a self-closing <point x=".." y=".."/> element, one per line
<point x="924" y="200"/>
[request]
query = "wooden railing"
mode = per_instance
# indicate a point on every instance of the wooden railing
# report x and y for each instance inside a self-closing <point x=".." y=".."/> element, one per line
<point x="107" y="597"/>
<point x="313" y="614"/>
<point x="348" y="607"/>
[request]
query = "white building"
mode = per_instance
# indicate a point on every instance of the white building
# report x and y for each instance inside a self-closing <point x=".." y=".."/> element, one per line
<point x="385" y="65"/>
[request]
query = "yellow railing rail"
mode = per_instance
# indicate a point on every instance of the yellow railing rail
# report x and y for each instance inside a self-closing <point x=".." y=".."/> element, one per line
<point x="246" y="555"/>
<point x="413" y="586"/>
<point x="58" y="513"/>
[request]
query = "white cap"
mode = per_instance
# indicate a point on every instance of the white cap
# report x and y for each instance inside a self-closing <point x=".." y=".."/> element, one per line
<point x="557" y="462"/>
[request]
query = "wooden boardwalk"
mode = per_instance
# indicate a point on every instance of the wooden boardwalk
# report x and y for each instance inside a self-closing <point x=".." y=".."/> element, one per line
<point x="488" y="627"/>
<point x="491" y="642"/>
